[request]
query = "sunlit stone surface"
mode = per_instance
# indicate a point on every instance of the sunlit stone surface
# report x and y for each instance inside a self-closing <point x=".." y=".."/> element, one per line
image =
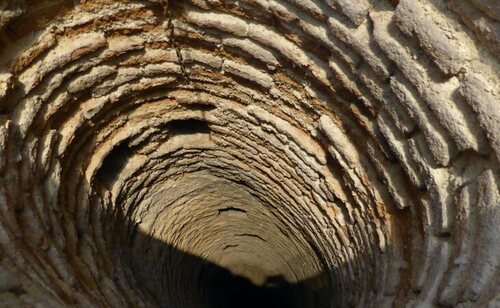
<point x="251" y="153"/>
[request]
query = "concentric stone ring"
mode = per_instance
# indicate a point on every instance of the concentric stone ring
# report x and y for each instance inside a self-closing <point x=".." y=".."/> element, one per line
<point x="250" y="153"/>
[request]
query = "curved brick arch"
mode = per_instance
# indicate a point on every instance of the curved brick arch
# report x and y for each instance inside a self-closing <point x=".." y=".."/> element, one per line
<point x="347" y="150"/>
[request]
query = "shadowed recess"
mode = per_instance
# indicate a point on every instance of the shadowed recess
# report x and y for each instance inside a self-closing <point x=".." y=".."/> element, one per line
<point x="250" y="153"/>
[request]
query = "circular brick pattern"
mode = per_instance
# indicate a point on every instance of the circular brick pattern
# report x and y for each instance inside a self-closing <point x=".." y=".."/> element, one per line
<point x="164" y="152"/>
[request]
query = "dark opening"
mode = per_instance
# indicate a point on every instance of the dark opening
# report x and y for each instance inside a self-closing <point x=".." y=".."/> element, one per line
<point x="113" y="164"/>
<point x="188" y="126"/>
<point x="200" y="106"/>
<point x="225" y="290"/>
<point x="178" y="279"/>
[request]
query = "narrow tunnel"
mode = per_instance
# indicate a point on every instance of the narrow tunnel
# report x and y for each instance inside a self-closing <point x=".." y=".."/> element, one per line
<point x="251" y="153"/>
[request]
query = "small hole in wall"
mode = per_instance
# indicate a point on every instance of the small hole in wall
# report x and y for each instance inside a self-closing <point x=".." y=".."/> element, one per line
<point x="188" y="126"/>
<point x="200" y="106"/>
<point x="113" y="164"/>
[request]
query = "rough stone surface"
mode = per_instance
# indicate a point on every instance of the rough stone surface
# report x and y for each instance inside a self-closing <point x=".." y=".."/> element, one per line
<point x="350" y="148"/>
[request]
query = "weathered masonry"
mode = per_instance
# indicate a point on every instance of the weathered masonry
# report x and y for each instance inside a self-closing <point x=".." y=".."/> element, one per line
<point x="250" y="153"/>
